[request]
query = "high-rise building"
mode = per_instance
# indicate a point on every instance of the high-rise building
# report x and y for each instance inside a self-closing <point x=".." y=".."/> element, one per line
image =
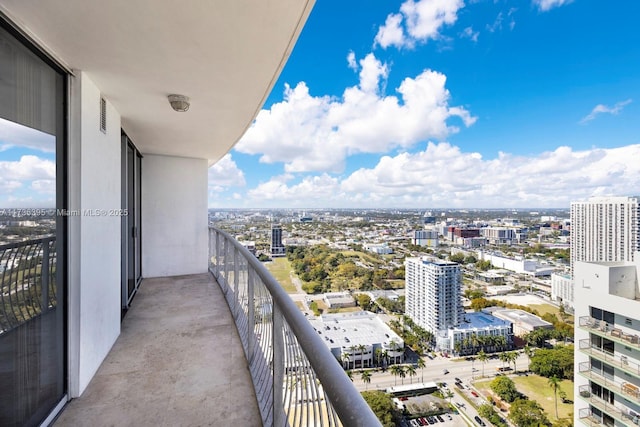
<point x="277" y="248"/>
<point x="605" y="229"/>
<point x="433" y="293"/>
<point x="427" y="238"/>
<point x="607" y="335"/>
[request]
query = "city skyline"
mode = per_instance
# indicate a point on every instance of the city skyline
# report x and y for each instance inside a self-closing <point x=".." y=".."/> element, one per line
<point x="472" y="104"/>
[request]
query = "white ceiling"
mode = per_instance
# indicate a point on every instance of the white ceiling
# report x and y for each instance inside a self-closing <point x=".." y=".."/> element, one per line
<point x="224" y="54"/>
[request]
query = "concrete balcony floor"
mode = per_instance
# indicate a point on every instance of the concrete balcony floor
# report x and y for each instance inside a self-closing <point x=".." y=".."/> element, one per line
<point x="177" y="362"/>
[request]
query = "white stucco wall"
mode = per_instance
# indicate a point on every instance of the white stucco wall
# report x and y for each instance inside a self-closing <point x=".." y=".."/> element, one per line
<point x="174" y="215"/>
<point x="94" y="233"/>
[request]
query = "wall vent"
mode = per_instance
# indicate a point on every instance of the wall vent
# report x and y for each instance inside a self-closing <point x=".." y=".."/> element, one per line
<point x="103" y="115"/>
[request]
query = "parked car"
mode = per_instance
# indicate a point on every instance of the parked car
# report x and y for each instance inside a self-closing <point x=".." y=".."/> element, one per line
<point x="479" y="421"/>
<point x="445" y="371"/>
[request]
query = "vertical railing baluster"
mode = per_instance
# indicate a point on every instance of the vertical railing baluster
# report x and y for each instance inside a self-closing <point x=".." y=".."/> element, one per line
<point x="278" y="366"/>
<point x="251" y="315"/>
<point x="44" y="274"/>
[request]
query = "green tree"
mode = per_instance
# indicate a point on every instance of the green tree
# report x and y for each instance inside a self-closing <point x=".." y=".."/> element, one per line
<point x="421" y="365"/>
<point x="554" y="383"/>
<point x="366" y="378"/>
<point x="457" y="257"/>
<point x="364" y="301"/>
<point x="383" y="406"/>
<point x="396" y="371"/>
<point x="527" y="413"/>
<point x="488" y="412"/>
<point x="505" y="388"/>
<point x="553" y="362"/>
<point x="482" y="357"/>
<point x="411" y="371"/>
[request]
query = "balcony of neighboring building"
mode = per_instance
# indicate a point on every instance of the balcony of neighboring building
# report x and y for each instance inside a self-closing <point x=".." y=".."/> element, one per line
<point x="616" y="411"/>
<point x="623" y="332"/>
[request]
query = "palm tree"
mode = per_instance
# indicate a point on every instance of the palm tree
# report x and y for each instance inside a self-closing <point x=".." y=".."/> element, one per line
<point x="402" y="373"/>
<point x="361" y="349"/>
<point x="378" y="355"/>
<point x="366" y="378"/>
<point x="448" y="395"/>
<point x="528" y="350"/>
<point x="344" y="357"/>
<point x="349" y="374"/>
<point x="482" y="357"/>
<point x="504" y="358"/>
<point x="411" y="371"/>
<point x="421" y="365"/>
<point x="352" y="350"/>
<point x="554" y="383"/>
<point x="395" y="371"/>
<point x="513" y="357"/>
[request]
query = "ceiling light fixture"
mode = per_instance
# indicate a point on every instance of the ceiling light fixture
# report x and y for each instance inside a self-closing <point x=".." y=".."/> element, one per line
<point x="179" y="103"/>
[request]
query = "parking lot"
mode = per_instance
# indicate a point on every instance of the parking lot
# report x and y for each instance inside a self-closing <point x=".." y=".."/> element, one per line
<point x="439" y="420"/>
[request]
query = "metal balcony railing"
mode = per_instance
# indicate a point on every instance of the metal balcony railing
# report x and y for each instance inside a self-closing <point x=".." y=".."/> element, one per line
<point x="298" y="381"/>
<point x="27" y="281"/>
<point x="610" y="331"/>
<point x="618" y="360"/>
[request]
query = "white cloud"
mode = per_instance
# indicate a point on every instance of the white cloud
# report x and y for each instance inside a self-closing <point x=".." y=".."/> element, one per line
<point x="225" y="173"/>
<point x="351" y="61"/>
<point x="601" y="108"/>
<point x="317" y="133"/>
<point x="391" y="33"/>
<point x="46" y="186"/>
<point x="28" y="168"/>
<point x="545" y="5"/>
<point x="444" y="176"/>
<point x="497" y="24"/>
<point x="16" y="135"/>
<point x="417" y="22"/>
<point x="470" y="34"/>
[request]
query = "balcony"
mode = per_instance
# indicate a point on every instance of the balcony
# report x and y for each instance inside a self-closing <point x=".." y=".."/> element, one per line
<point x="609" y="331"/>
<point x="624" y="389"/>
<point x="177" y="361"/>
<point x="194" y="349"/>
<point x="619" y="361"/>
<point x="622" y="415"/>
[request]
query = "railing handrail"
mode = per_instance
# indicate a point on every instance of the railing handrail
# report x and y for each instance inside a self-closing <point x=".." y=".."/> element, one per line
<point x="351" y="407"/>
<point x="14" y="245"/>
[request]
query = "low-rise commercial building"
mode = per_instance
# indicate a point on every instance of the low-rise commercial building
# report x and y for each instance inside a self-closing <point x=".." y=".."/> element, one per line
<point x="465" y="337"/>
<point x="339" y="299"/>
<point x="359" y="339"/>
<point x="523" y="322"/>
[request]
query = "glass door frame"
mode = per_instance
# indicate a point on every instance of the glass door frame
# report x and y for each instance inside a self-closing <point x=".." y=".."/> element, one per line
<point x="131" y="228"/>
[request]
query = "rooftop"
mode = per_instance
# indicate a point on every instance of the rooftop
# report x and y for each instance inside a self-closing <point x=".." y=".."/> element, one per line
<point x="522" y="317"/>
<point x="480" y="320"/>
<point x="348" y="329"/>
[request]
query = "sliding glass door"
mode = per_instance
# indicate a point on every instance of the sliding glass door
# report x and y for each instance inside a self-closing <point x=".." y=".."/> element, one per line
<point x="131" y="247"/>
<point x="32" y="235"/>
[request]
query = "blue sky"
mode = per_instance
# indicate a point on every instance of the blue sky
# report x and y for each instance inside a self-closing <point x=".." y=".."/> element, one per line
<point x="447" y="103"/>
<point x="425" y="104"/>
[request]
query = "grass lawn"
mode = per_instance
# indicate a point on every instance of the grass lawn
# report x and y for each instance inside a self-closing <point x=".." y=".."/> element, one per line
<point x="280" y="268"/>
<point x="548" y="308"/>
<point x="537" y="388"/>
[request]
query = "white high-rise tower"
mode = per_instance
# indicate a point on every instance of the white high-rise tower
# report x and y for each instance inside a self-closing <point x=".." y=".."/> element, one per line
<point x="605" y="229"/>
<point x="433" y="293"/>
